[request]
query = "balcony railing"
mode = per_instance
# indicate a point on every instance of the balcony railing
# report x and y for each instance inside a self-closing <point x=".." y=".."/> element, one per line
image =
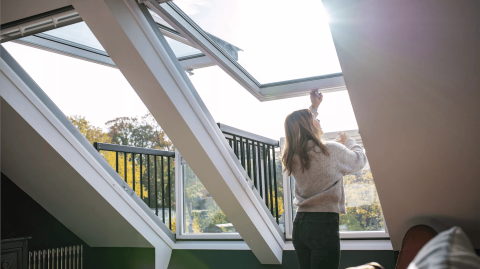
<point x="149" y="171"/>
<point x="257" y="156"/>
<point x="143" y="161"/>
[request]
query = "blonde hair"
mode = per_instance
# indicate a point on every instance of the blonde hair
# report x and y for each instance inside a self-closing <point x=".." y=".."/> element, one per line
<point x="299" y="129"/>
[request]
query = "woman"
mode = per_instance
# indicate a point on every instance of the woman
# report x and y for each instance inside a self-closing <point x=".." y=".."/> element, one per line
<point x="318" y="168"/>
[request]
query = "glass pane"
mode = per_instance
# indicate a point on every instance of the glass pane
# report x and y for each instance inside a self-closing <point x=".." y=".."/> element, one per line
<point x="80" y="33"/>
<point x="180" y="49"/>
<point x="280" y="40"/>
<point x="201" y="213"/>
<point x="364" y="212"/>
<point x="77" y="33"/>
<point x="221" y="93"/>
<point x="103" y="106"/>
<point x="281" y="205"/>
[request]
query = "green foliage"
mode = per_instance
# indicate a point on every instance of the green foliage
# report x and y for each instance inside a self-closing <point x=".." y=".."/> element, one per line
<point x="92" y="133"/>
<point x="139" y="132"/>
<point x="202" y="214"/>
<point x="364" y="212"/>
<point x="143" y="132"/>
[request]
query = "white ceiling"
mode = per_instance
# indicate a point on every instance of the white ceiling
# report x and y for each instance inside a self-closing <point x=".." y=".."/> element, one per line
<point x="412" y="71"/>
<point x="40" y="171"/>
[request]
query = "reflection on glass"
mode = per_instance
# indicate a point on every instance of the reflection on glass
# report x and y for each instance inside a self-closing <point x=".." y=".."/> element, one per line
<point x="80" y="33"/>
<point x="180" y="49"/>
<point x="364" y="212"/>
<point x="201" y="213"/>
<point x="77" y="33"/>
<point x="281" y="40"/>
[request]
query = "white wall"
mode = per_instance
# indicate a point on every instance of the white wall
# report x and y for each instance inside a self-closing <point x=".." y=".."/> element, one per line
<point x="412" y="71"/>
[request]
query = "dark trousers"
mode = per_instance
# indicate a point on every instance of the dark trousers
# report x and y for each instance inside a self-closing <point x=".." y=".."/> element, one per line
<point x="316" y="240"/>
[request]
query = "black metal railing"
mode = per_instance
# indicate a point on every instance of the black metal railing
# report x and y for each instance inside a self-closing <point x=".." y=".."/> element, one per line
<point x="148" y="172"/>
<point x="257" y="156"/>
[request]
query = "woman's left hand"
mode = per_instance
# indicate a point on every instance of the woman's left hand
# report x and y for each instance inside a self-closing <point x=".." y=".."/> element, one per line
<point x="316" y="98"/>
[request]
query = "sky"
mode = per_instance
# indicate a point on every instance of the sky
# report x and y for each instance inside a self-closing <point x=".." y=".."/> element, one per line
<point x="281" y="40"/>
<point x="101" y="93"/>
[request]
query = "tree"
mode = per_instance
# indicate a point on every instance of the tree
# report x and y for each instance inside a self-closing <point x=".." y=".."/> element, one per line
<point x="91" y="133"/>
<point x="143" y="132"/>
<point x="364" y="212"/>
<point x="134" y="131"/>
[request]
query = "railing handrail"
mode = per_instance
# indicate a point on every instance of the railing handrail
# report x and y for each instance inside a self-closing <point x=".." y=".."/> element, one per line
<point x="130" y="149"/>
<point x="226" y="129"/>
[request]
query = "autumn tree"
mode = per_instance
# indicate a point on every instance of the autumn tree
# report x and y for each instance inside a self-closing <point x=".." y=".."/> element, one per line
<point x="139" y="132"/>
<point x="91" y="133"/>
<point x="143" y="132"/>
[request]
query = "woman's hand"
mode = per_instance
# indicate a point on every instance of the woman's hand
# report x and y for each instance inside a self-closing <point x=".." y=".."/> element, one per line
<point x="316" y="98"/>
<point x="344" y="136"/>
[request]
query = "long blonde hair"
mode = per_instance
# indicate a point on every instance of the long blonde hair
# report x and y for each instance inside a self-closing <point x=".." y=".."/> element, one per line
<point x="299" y="129"/>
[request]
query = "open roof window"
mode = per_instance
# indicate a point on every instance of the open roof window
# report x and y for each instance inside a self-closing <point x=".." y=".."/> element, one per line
<point x="286" y="49"/>
<point x="280" y="40"/>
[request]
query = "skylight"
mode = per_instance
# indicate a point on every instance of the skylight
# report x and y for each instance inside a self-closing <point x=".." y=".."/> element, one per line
<point x="281" y="40"/>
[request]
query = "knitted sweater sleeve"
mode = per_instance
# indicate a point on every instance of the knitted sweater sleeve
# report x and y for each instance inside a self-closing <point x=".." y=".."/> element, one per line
<point x="351" y="157"/>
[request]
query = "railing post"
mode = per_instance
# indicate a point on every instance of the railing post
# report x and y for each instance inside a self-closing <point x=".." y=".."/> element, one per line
<point x="242" y="153"/>
<point x="156" y="191"/>
<point x="169" y="196"/>
<point x="275" y="182"/>
<point x="125" y="169"/>
<point x="249" y="163"/>
<point x="148" y="175"/>
<point x="264" y="153"/>
<point x="133" y="170"/>
<point x="255" y="164"/>
<point x="141" y="176"/>
<point x="163" y="192"/>
<point x="270" y="178"/>
<point x="235" y="148"/>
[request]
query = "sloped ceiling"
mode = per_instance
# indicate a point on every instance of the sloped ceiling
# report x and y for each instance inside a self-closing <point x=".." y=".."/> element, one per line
<point x="40" y="171"/>
<point x="412" y="71"/>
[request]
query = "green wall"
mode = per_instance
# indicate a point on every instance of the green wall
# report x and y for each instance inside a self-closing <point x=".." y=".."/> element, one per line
<point x="241" y="259"/>
<point x="23" y="217"/>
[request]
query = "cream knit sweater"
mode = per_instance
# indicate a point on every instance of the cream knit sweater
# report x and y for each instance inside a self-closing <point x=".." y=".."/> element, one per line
<point x="320" y="188"/>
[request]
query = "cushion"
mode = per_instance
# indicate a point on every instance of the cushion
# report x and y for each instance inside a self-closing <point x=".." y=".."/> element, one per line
<point x="415" y="238"/>
<point x="450" y="249"/>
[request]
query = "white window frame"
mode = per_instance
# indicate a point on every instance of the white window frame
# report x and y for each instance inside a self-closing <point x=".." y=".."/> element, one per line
<point x="179" y="191"/>
<point x="65" y="47"/>
<point x="175" y="17"/>
<point x="288" y="203"/>
<point x="343" y="234"/>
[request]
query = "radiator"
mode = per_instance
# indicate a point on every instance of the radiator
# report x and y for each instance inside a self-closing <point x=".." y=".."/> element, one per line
<point x="57" y="258"/>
